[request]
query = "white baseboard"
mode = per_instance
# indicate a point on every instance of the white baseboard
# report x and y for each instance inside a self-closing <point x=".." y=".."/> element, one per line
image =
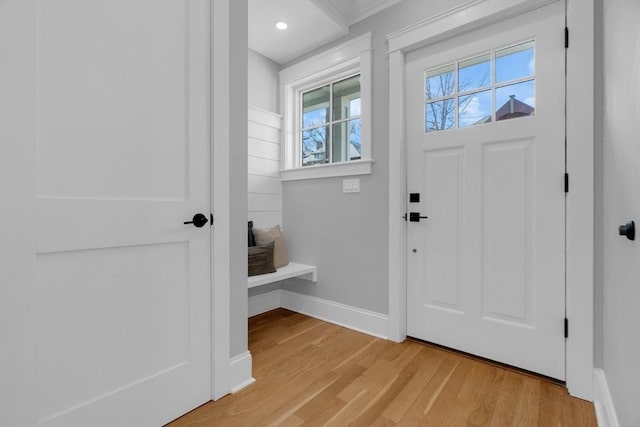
<point x="262" y="303"/>
<point x="365" y="321"/>
<point x="368" y="322"/>
<point x="240" y="371"/>
<point x="602" y="401"/>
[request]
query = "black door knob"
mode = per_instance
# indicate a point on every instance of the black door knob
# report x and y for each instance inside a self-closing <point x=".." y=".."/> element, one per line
<point x="628" y="229"/>
<point x="199" y="220"/>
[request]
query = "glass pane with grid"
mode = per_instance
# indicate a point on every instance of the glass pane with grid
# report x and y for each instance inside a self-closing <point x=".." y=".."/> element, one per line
<point x="331" y="123"/>
<point x="485" y="88"/>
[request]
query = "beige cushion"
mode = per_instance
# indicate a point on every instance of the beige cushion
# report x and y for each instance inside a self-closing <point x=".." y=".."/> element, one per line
<point x="264" y="237"/>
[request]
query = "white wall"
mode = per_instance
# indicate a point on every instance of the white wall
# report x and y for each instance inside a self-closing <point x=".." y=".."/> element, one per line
<point x="621" y="202"/>
<point x="263" y="149"/>
<point x="263" y="82"/>
<point x="264" y="186"/>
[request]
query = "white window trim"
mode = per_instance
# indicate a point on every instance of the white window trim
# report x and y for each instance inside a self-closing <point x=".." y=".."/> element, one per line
<point x="344" y="60"/>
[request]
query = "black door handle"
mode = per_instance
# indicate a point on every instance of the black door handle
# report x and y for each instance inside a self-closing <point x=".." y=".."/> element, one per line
<point x="199" y="220"/>
<point x="628" y="229"/>
<point x="415" y="217"/>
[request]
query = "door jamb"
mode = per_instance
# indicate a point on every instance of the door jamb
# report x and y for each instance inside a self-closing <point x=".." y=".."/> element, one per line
<point x="580" y="158"/>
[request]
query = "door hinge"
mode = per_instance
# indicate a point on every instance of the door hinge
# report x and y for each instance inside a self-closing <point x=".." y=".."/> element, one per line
<point x="566" y="327"/>
<point x="566" y="182"/>
<point x="211" y="216"/>
<point x="566" y="37"/>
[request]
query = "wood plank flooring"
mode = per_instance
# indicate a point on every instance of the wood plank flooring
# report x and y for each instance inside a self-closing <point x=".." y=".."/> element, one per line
<point x="309" y="372"/>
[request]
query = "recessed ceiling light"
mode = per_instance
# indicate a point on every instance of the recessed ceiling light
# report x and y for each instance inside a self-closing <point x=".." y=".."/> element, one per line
<point x="281" y="25"/>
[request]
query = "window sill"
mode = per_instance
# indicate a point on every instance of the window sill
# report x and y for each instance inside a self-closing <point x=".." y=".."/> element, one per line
<point x="356" y="167"/>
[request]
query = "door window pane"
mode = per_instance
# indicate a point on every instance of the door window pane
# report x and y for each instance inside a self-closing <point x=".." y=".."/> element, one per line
<point x="515" y="62"/>
<point x="346" y="144"/>
<point x="315" y="107"/>
<point x="439" y="115"/>
<point x="439" y="82"/>
<point x="314" y="146"/>
<point x="474" y="73"/>
<point x="486" y="88"/>
<point x="516" y="100"/>
<point x="346" y="98"/>
<point x="474" y="109"/>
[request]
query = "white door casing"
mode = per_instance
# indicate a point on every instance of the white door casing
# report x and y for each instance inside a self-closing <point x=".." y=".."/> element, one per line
<point x="120" y="307"/>
<point x="487" y="274"/>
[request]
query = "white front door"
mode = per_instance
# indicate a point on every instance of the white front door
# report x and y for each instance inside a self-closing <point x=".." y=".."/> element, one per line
<point x="122" y="312"/>
<point x="485" y="137"/>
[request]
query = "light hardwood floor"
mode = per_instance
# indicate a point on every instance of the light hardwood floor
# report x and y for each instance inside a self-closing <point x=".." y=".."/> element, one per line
<point x="309" y="372"/>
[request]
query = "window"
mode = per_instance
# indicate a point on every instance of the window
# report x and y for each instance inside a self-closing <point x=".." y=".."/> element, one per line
<point x="330" y="119"/>
<point x="327" y="113"/>
<point x="494" y="86"/>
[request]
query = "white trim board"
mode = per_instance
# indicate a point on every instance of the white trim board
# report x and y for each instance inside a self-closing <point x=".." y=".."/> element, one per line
<point x="240" y="371"/>
<point x="351" y="57"/>
<point x="330" y="57"/>
<point x="261" y="303"/>
<point x="365" y="321"/>
<point x="220" y="195"/>
<point x="462" y="18"/>
<point x="580" y="143"/>
<point x="302" y="271"/>
<point x="264" y="117"/>
<point x="602" y="401"/>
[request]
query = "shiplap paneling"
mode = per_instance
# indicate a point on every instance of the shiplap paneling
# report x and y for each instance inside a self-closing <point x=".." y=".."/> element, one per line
<point x="263" y="164"/>
<point x="263" y="167"/>
<point x="265" y="219"/>
<point x="264" y="132"/>
<point x="265" y="202"/>
<point x="264" y="185"/>
<point x="264" y="149"/>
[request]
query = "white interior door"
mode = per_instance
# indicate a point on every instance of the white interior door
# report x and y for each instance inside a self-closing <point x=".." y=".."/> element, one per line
<point x="485" y="137"/>
<point x="122" y="306"/>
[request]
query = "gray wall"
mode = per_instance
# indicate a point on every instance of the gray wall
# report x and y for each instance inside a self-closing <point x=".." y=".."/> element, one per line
<point x="621" y="202"/>
<point x="263" y="82"/>
<point x="238" y="175"/>
<point x="346" y="235"/>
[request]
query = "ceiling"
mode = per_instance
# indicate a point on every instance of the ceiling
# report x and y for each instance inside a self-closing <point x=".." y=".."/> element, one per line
<point x="312" y="23"/>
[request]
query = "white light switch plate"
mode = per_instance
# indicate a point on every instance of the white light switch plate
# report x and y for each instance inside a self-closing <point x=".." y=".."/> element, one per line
<point x="351" y="185"/>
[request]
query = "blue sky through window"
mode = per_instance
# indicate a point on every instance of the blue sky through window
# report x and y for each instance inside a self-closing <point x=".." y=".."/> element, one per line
<point x="474" y="74"/>
<point x="515" y="62"/>
<point x="315" y="117"/>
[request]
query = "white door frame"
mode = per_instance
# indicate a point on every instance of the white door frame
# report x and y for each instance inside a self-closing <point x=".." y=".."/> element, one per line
<point x="220" y="193"/>
<point x="229" y="207"/>
<point x="580" y="161"/>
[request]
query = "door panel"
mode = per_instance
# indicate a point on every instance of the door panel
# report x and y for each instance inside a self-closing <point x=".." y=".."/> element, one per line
<point x="485" y="271"/>
<point x="122" y="155"/>
<point x="121" y="70"/>
<point x="444" y="176"/>
<point x="507" y="231"/>
<point x="112" y="347"/>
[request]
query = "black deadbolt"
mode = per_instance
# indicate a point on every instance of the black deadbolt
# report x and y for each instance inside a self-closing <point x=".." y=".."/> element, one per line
<point x="199" y="220"/>
<point x="629" y="230"/>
